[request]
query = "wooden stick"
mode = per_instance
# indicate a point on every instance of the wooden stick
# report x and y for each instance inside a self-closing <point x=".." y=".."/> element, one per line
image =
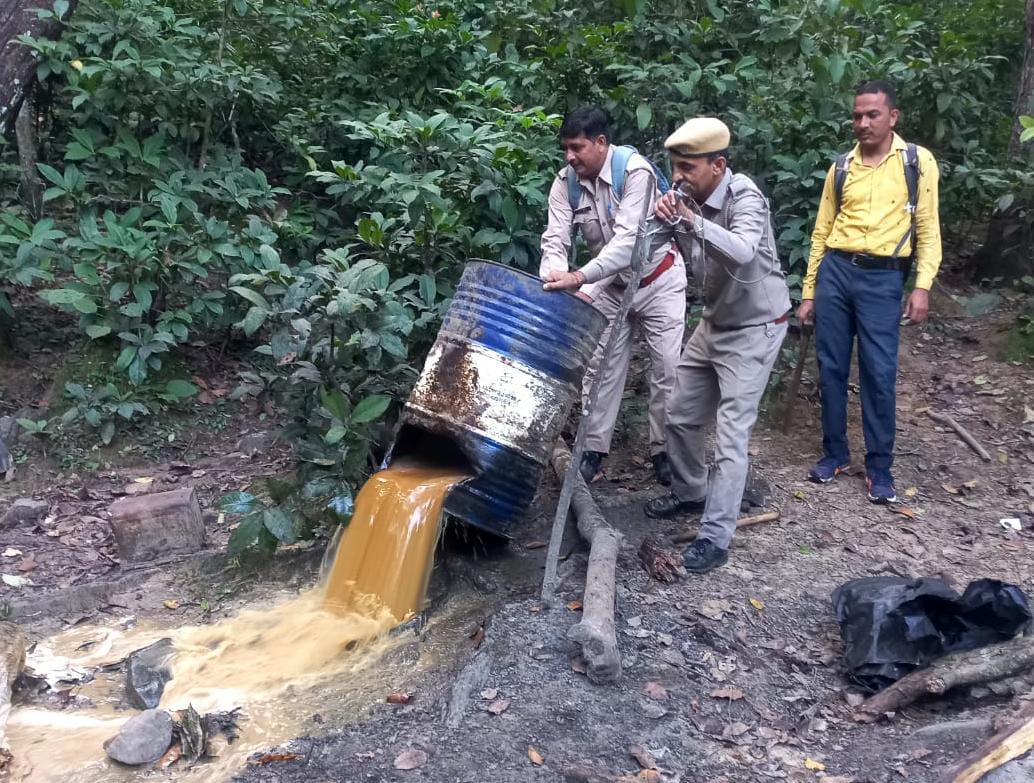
<point x="595" y="632"/>
<point x="691" y="535"/>
<point x="795" y="380"/>
<point x="962" y="432"/>
<point x="1004" y="746"/>
<point x="985" y="664"/>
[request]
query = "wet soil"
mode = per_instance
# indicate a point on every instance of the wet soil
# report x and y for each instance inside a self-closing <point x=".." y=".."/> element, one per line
<point x="731" y="676"/>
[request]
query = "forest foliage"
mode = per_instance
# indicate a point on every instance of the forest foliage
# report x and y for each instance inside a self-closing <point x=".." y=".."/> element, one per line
<point x="311" y="175"/>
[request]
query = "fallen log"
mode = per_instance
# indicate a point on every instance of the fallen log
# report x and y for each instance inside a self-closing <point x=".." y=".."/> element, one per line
<point x="690" y="536"/>
<point x="985" y="664"/>
<point x="595" y="632"/>
<point x="1008" y="744"/>
<point x="962" y="432"/>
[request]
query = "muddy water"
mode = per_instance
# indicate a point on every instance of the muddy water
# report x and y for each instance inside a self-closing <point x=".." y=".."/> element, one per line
<point x="387" y="551"/>
<point x="302" y="664"/>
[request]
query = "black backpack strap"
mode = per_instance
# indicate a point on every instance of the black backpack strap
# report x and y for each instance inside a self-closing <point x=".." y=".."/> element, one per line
<point x="843" y="164"/>
<point x="910" y="160"/>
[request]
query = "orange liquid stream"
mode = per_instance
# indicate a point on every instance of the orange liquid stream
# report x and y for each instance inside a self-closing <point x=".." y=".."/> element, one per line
<point x="387" y="550"/>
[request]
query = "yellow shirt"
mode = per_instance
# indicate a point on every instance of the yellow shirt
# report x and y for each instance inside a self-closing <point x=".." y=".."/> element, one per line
<point x="873" y="217"/>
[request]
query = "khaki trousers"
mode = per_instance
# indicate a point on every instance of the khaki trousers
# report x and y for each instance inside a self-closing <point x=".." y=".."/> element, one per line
<point x="659" y="310"/>
<point x="720" y="379"/>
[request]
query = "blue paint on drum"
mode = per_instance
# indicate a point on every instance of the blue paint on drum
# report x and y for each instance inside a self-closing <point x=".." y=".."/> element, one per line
<point x="500" y="318"/>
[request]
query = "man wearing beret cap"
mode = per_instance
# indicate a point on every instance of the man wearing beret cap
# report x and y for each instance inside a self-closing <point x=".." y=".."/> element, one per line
<point x="728" y="242"/>
<point x="603" y="193"/>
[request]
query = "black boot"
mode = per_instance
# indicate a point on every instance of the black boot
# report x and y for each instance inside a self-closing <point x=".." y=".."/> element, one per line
<point x="661" y="468"/>
<point x="592" y="465"/>
<point x="668" y="506"/>
<point x="702" y="556"/>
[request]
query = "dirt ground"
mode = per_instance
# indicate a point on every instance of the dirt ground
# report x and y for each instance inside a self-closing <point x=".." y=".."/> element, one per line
<point x="729" y="677"/>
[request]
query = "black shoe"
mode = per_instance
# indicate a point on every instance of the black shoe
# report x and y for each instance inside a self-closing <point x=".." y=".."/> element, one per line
<point x="592" y="465"/>
<point x="669" y="505"/>
<point x="661" y="468"/>
<point x="702" y="556"/>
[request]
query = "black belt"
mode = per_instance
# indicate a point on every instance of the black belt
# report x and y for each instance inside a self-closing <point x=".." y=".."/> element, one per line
<point x="866" y="261"/>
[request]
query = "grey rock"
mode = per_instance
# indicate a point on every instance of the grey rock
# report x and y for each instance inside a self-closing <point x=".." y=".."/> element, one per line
<point x="255" y="443"/>
<point x="143" y="739"/>
<point x="953" y="732"/>
<point x="6" y="461"/>
<point x="24" y="510"/>
<point x="1020" y="770"/>
<point x="147" y="672"/>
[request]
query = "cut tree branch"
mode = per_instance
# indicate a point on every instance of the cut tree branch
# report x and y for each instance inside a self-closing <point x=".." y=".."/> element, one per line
<point x="1006" y="745"/>
<point x="595" y="632"/>
<point x="691" y="535"/>
<point x="985" y="664"/>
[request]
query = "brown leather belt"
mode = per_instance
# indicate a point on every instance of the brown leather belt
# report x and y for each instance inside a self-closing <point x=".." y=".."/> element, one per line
<point x="666" y="263"/>
<point x="780" y="320"/>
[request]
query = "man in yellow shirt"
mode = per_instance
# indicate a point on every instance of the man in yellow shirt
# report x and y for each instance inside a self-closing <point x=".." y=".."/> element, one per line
<point x="878" y="213"/>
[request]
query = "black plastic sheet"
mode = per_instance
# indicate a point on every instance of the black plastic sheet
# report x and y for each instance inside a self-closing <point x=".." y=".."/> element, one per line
<point x="892" y="626"/>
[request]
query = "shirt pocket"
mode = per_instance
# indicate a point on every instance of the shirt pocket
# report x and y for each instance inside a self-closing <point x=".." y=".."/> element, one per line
<point x="588" y="225"/>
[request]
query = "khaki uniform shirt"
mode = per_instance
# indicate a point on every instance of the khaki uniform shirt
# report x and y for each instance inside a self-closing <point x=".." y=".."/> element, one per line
<point x="738" y="271"/>
<point x="607" y="222"/>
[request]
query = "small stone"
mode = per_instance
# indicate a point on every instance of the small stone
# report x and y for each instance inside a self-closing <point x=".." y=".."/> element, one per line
<point x="147" y="672"/>
<point x="143" y="739"/>
<point x="24" y="510"/>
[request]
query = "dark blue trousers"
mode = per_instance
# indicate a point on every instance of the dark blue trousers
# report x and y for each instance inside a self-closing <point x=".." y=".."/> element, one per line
<point x="853" y="302"/>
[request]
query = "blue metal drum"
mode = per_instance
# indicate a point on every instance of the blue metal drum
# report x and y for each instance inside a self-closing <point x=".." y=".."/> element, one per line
<point x="497" y="386"/>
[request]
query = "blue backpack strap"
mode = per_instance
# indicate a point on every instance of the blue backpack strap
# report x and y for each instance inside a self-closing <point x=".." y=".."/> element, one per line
<point x="843" y="164"/>
<point x="574" y="189"/>
<point x="619" y="166"/>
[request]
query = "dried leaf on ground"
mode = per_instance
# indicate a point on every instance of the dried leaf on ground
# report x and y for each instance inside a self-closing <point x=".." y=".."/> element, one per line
<point x="656" y="691"/>
<point x="905" y="511"/>
<point x="171" y="603"/>
<point x="171" y="756"/>
<point x="489" y="693"/>
<point x="499" y="706"/>
<point x="732" y="694"/>
<point x="575" y="606"/>
<point x="815" y="766"/>
<point x="578" y="666"/>
<point x="536" y="545"/>
<point x="400" y="697"/>
<point x="535" y="757"/>
<point x="478" y="636"/>
<point x="714" y="609"/>
<point x="410" y="759"/>
<point x="643" y="757"/>
<point x="27" y="564"/>
<point x="758" y="604"/>
<point x="12" y="552"/>
<point x="269" y="758"/>
<point x="16" y="581"/>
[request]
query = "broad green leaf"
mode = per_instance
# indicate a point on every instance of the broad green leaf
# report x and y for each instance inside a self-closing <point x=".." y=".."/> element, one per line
<point x="96" y="331"/>
<point x="643" y="115"/>
<point x="336" y="403"/>
<point x="370" y="408"/>
<point x="238" y="503"/>
<point x="245" y="534"/>
<point x="62" y="296"/>
<point x="279" y="524"/>
<point x="180" y="389"/>
<point x="254" y="297"/>
<point x="253" y="320"/>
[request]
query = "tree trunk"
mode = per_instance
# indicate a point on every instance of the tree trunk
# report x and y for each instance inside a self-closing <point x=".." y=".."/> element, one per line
<point x="1025" y="98"/>
<point x="17" y="62"/>
<point x="25" y="131"/>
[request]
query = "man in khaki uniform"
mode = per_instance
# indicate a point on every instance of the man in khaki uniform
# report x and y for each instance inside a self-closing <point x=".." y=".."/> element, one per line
<point x="730" y="247"/>
<point x="608" y="221"/>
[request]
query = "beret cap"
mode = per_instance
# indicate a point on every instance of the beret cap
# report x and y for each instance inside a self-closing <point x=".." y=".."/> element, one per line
<point x="699" y="136"/>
